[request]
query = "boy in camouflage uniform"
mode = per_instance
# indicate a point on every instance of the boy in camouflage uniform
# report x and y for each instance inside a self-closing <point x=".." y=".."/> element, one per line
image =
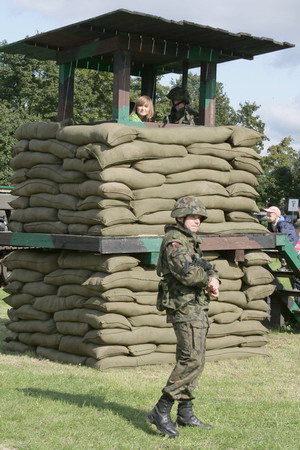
<point x="188" y="282"/>
<point x="181" y="113"/>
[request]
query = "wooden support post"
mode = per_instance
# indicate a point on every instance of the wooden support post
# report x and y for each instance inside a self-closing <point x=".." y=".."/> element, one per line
<point x="121" y="86"/>
<point x="66" y="91"/>
<point x="185" y="71"/>
<point x="149" y="82"/>
<point x="207" y="104"/>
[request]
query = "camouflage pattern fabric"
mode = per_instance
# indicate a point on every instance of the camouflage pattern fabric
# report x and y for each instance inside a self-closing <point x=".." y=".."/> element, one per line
<point x="190" y="357"/>
<point x="186" y="275"/>
<point x="184" y="116"/>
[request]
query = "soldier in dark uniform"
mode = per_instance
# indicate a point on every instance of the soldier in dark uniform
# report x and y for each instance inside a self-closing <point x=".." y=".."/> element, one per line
<point x="188" y="282"/>
<point x="181" y="113"/>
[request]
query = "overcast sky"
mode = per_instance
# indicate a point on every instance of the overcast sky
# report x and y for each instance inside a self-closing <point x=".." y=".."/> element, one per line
<point x="271" y="80"/>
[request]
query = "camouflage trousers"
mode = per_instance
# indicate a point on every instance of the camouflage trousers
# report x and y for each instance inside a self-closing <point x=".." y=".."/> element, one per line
<point x="190" y="358"/>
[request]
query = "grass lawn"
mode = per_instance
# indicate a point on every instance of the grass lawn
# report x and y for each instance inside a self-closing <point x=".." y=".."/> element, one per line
<point x="252" y="403"/>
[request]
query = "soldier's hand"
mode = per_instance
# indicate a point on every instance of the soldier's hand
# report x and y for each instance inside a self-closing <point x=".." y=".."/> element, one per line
<point x="213" y="287"/>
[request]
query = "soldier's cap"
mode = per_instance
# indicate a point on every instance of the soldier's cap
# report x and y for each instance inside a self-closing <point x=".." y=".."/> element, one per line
<point x="187" y="206"/>
<point x="273" y="209"/>
<point x="179" y="94"/>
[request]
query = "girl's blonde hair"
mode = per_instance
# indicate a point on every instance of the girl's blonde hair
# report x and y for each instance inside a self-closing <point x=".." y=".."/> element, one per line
<point x="144" y="99"/>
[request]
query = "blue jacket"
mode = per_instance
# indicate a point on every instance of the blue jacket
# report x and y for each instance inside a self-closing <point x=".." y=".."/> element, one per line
<point x="285" y="226"/>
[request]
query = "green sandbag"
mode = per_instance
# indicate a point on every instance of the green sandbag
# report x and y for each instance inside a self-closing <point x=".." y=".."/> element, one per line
<point x="46" y="227"/>
<point x="176" y="191"/>
<point x="131" y="361"/>
<point x="228" y="269"/>
<point x="72" y="328"/>
<point x="141" y="349"/>
<point x="94" y="202"/>
<point x="235" y="297"/>
<point x="20" y="146"/>
<point x="28" y="312"/>
<point x="139" y="335"/>
<point x="160" y="217"/>
<point x="77" y="228"/>
<point x="95" y="261"/>
<point x="252" y="314"/>
<point x="248" y="164"/>
<point x="132" y="152"/>
<point x="199" y="175"/>
<point x="230" y="285"/>
<point x="92" y="317"/>
<point x="149" y="205"/>
<point x="18" y="347"/>
<point x="216" y="307"/>
<point x="242" y="176"/>
<point x="242" y="136"/>
<point x="37" y="288"/>
<point x="38" y="260"/>
<point x="256" y="258"/>
<point x="149" y="320"/>
<point x="224" y="151"/>
<point x="57" y="148"/>
<point x="70" y="189"/>
<point x="168" y="166"/>
<point x="67" y="276"/>
<point x="25" y="275"/>
<point x="127" y="309"/>
<point x="130" y="229"/>
<point x="255" y="341"/>
<point x="45" y="340"/>
<point x="38" y="214"/>
<point x="232" y="228"/>
<point x="74" y="344"/>
<point x="108" y="217"/>
<point x="56" y="173"/>
<point x="53" y="303"/>
<point x="229" y="204"/>
<point x="131" y="177"/>
<point x="242" y="190"/>
<point x="108" y="133"/>
<point x="260" y="305"/>
<point x="32" y="326"/>
<point x="35" y="186"/>
<point x="234" y="353"/>
<point x="136" y="279"/>
<point x="226" y="317"/>
<point x="30" y="159"/>
<point x="19" y="176"/>
<point x="184" y="135"/>
<point x="117" y="191"/>
<point x="56" y="355"/>
<point x="58" y="201"/>
<point x="239" y="328"/>
<point x="240" y="216"/>
<point x="37" y="130"/>
<point x="17" y="300"/>
<point x="224" y="342"/>
<point x="255" y="275"/>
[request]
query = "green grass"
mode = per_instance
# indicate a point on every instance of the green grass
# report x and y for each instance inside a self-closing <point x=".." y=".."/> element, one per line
<point x="252" y="403"/>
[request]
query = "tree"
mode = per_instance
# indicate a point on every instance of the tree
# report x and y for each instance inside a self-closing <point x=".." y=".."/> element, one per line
<point x="281" y="170"/>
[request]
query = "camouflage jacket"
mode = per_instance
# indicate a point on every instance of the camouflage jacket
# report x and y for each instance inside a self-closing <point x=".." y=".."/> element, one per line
<point x="185" y="116"/>
<point x="185" y="274"/>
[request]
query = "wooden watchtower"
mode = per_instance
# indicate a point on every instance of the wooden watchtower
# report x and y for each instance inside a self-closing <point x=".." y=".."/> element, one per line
<point x="131" y="43"/>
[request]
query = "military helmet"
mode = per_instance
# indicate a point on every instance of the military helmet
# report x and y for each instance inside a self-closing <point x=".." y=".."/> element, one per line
<point x="179" y="94"/>
<point x="187" y="206"/>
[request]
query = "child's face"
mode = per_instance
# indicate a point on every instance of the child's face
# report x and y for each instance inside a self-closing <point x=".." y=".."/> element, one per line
<point x="143" y="110"/>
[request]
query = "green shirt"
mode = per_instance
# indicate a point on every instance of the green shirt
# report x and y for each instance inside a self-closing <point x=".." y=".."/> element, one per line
<point x="134" y="118"/>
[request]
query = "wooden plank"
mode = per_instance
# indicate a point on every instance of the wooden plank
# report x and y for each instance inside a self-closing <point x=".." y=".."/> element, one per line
<point x="207" y="105"/>
<point x="66" y="91"/>
<point x="148" y="86"/>
<point x="243" y="242"/>
<point x="121" y="85"/>
<point x="94" y="48"/>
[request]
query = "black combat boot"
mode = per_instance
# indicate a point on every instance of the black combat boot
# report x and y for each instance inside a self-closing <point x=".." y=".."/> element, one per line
<point x="160" y="417"/>
<point x="186" y="416"/>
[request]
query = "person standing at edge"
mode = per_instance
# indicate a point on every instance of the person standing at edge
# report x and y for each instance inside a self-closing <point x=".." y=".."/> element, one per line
<point x="181" y="113"/>
<point x="188" y="282"/>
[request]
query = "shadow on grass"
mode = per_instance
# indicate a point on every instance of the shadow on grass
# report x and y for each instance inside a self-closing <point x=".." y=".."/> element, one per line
<point x="135" y="416"/>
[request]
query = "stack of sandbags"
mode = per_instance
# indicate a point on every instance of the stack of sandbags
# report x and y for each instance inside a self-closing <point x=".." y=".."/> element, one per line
<point x="113" y="180"/>
<point x="103" y="313"/>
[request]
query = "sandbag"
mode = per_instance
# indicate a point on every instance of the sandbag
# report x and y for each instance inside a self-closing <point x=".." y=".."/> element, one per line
<point x="57" y="148"/>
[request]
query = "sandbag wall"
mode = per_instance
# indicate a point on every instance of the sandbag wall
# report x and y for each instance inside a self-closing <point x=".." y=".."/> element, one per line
<point x="86" y="308"/>
<point x="113" y="180"/>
